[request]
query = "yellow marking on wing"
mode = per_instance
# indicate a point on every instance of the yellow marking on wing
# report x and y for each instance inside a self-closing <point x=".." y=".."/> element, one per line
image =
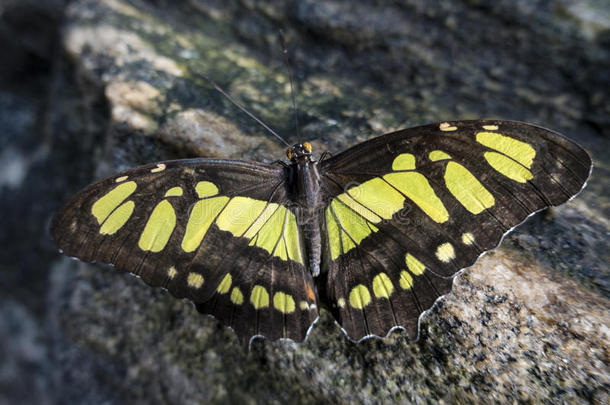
<point x="280" y="250"/>
<point x="239" y="214"/>
<point x="206" y="189"/>
<point x="237" y="297"/>
<point x="520" y="151"/>
<point x="406" y="281"/>
<point x="304" y="305"/>
<point x="259" y="297"/>
<point x="283" y="302"/>
<point x="117" y="219"/>
<point x="445" y="252"/>
<point x="416" y="187"/>
<point x="334" y="238"/>
<point x="225" y="284"/>
<point x="490" y="127"/>
<point x="359" y="297"/>
<point x="261" y="220"/>
<point x="341" y="302"/>
<point x="201" y="217"/>
<point x="415" y="266"/>
<point x="194" y="280"/>
<point x="112" y="199"/>
<point x="352" y="223"/>
<point x="359" y="208"/>
<point x="291" y="239"/>
<point x="174" y="192"/>
<point x="445" y="126"/>
<point x="348" y="243"/>
<point x="120" y="179"/>
<point x="467" y="238"/>
<point x="404" y="161"/>
<point x="160" y="167"/>
<point x="268" y="226"/>
<point x="508" y="167"/>
<point x="288" y="245"/>
<point x="382" y="286"/>
<point x="437" y="155"/>
<point x="271" y="231"/>
<point x="378" y="196"/>
<point x="172" y="272"/>
<point x="159" y="228"/>
<point x="356" y="211"/>
<point x="467" y="189"/>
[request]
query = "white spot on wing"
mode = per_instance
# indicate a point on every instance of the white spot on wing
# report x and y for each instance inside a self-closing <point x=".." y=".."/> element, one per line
<point x="160" y="167"/>
<point x="446" y="127"/>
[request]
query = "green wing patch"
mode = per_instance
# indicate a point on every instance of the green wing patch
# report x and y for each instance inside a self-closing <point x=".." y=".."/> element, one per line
<point x="410" y="209"/>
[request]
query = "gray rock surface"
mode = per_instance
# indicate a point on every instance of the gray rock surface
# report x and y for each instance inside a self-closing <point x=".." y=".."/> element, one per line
<point x="92" y="87"/>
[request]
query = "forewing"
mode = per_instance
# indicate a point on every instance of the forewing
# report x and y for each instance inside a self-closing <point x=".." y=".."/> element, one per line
<point x="409" y="209"/>
<point x="217" y="232"/>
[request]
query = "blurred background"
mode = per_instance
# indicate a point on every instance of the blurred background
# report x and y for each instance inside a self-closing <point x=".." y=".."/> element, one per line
<point x="88" y="88"/>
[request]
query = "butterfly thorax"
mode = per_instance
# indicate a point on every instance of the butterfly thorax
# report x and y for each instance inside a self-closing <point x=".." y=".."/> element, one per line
<point x="306" y="197"/>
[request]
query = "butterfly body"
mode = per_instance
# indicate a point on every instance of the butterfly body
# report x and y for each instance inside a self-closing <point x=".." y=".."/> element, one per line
<point x="307" y="201"/>
<point x="375" y="234"/>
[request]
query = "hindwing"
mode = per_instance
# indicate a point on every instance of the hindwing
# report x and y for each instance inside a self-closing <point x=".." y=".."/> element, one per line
<point x="218" y="232"/>
<point x="408" y="210"/>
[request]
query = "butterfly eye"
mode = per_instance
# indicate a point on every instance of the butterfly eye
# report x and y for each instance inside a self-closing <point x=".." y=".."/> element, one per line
<point x="289" y="153"/>
<point x="307" y="146"/>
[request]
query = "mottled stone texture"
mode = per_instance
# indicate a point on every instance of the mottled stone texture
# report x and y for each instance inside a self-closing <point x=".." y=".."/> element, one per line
<point x="89" y="87"/>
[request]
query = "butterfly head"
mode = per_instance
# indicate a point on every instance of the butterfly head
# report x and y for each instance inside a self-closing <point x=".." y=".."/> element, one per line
<point x="299" y="151"/>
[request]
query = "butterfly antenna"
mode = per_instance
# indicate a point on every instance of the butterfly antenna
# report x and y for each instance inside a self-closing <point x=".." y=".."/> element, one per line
<point x="292" y="92"/>
<point x="241" y="107"/>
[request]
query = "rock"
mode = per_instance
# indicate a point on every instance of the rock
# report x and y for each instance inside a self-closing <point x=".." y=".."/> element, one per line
<point x="528" y="323"/>
<point x="210" y="135"/>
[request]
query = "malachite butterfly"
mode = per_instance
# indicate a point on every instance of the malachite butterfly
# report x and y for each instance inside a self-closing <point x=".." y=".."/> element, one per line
<point x="374" y="234"/>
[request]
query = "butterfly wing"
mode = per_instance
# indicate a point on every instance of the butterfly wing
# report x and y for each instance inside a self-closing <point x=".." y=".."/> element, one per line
<point x="217" y="232"/>
<point x="409" y="209"/>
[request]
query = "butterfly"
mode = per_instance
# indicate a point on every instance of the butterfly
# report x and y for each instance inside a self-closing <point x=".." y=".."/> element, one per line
<point x="374" y="234"/>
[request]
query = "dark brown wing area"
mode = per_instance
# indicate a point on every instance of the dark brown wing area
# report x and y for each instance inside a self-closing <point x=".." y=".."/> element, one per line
<point x="449" y="192"/>
<point x="216" y="232"/>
